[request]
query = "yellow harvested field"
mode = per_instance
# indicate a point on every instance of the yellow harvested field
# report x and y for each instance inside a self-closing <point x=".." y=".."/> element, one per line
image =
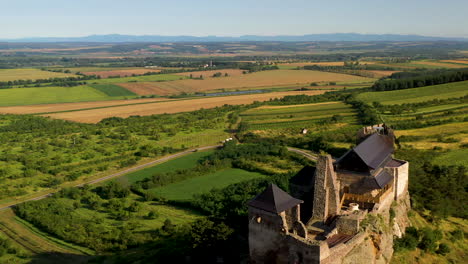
<point x="95" y="115"/>
<point x="463" y="61"/>
<point x="48" y="108"/>
<point x="379" y="74"/>
<point x="30" y="74"/>
<point x="121" y="73"/>
<point x="439" y="64"/>
<point x="302" y="64"/>
<point x="206" y="74"/>
<point x="323" y="63"/>
<point x="264" y="79"/>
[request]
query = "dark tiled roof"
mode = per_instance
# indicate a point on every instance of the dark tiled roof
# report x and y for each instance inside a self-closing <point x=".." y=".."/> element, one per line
<point x="394" y="163"/>
<point x="383" y="178"/>
<point x="374" y="150"/>
<point x="274" y="200"/>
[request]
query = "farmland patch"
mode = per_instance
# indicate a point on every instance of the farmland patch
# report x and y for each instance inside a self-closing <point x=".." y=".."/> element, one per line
<point x="112" y="90"/>
<point x="413" y="95"/>
<point x="274" y="78"/>
<point x="95" y="115"/>
<point x="47" y="95"/>
<point x="30" y="74"/>
<point x="120" y="73"/>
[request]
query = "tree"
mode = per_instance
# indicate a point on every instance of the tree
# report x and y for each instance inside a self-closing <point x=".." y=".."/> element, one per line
<point x="206" y="234"/>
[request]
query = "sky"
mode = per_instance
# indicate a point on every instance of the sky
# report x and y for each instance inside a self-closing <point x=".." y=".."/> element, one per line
<point x="72" y="18"/>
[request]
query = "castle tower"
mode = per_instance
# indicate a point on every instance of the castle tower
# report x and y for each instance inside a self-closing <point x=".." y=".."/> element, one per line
<point x="273" y="215"/>
<point x="326" y="190"/>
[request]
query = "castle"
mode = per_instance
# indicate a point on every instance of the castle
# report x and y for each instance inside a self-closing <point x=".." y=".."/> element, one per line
<point x="342" y="211"/>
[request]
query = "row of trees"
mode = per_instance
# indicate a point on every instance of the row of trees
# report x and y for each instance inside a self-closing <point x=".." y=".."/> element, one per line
<point x="66" y="82"/>
<point x="426" y="79"/>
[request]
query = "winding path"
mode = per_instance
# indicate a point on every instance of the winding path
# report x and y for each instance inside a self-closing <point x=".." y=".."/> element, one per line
<point x="120" y="173"/>
<point x="147" y="164"/>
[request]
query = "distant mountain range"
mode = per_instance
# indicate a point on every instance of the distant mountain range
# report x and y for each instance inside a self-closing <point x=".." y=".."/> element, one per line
<point x="116" y="38"/>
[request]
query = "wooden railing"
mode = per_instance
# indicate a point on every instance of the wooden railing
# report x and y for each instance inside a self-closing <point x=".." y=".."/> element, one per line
<point x="366" y="198"/>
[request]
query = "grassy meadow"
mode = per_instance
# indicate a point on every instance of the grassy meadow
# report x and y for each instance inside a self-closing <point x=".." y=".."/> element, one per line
<point x="183" y="191"/>
<point x="185" y="162"/>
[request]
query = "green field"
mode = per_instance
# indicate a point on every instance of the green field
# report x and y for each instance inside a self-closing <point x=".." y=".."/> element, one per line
<point x="145" y="78"/>
<point x="414" y="95"/>
<point x="453" y="157"/>
<point x="185" y="162"/>
<point x="176" y="215"/>
<point x="112" y="90"/>
<point x="29" y="74"/>
<point x="295" y="116"/>
<point x="183" y="191"/>
<point x="47" y="95"/>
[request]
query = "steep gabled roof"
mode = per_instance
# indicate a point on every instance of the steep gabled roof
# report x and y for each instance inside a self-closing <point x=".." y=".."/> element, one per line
<point x="383" y="178"/>
<point x="274" y="200"/>
<point x="374" y="150"/>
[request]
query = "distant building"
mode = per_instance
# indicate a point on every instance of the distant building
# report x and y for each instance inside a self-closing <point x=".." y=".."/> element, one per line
<point x="321" y="221"/>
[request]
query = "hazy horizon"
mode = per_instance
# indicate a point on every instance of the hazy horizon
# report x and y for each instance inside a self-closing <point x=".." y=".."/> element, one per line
<point x="55" y="18"/>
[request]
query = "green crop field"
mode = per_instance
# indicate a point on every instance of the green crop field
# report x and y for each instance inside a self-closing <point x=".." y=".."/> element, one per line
<point x="112" y="90"/>
<point x="185" y="162"/>
<point x="146" y="78"/>
<point x="278" y="117"/>
<point x="437" y="108"/>
<point x="29" y="74"/>
<point x="184" y="190"/>
<point x="414" y="95"/>
<point x="46" y="95"/>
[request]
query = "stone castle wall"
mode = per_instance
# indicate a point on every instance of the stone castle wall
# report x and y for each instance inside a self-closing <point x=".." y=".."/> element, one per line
<point x="402" y="180"/>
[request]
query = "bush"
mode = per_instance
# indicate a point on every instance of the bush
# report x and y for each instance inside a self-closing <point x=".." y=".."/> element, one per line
<point x="409" y="241"/>
<point x="152" y="215"/>
<point x="443" y="249"/>
<point x="457" y="234"/>
<point x="429" y="239"/>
